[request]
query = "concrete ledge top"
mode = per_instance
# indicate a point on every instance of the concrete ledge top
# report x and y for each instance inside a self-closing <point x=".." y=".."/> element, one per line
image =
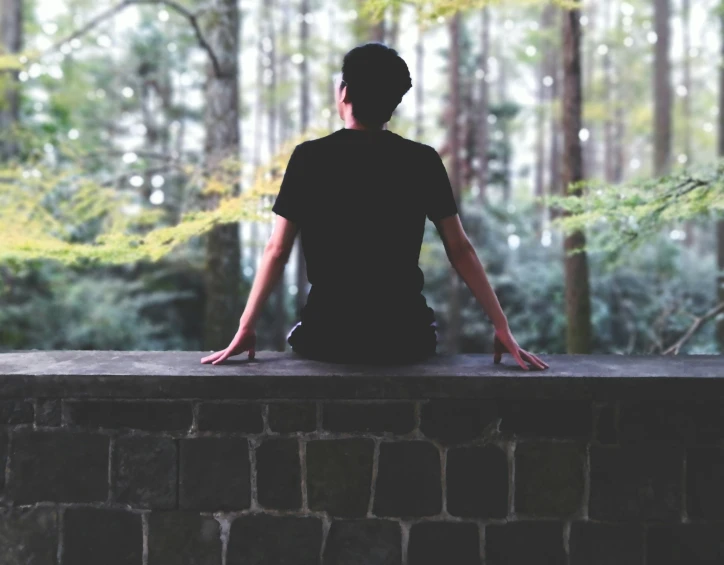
<point x="180" y="374"/>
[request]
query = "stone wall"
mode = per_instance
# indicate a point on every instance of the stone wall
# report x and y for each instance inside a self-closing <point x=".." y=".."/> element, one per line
<point x="493" y="481"/>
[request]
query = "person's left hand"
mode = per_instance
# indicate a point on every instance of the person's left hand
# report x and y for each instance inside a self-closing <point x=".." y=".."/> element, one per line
<point x="244" y="339"/>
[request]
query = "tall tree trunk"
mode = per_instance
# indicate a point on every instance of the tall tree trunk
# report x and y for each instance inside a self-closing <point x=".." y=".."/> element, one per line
<point x="419" y="79"/>
<point x="302" y="282"/>
<point x="554" y="155"/>
<point x="578" y="307"/>
<point x="608" y="123"/>
<point x="588" y="48"/>
<point x="720" y="219"/>
<point x="453" y="326"/>
<point x="662" y="89"/>
<point x="11" y="40"/>
<point x="543" y="96"/>
<point x="394" y="35"/>
<point x="689" y="226"/>
<point x="483" y="104"/>
<point x="502" y="98"/>
<point x="280" y="44"/>
<point x="222" y="270"/>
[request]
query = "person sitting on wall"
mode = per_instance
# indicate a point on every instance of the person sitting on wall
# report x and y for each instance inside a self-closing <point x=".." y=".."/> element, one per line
<point x="359" y="197"/>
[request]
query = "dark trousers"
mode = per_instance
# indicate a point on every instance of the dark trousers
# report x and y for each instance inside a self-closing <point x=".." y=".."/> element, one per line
<point x="367" y="345"/>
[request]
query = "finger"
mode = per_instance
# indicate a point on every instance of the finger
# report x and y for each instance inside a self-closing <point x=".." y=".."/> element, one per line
<point x="252" y="353"/>
<point x="496" y="357"/>
<point x="520" y="361"/>
<point x="541" y="360"/>
<point x="212" y="357"/>
<point x="224" y="355"/>
<point x="532" y="359"/>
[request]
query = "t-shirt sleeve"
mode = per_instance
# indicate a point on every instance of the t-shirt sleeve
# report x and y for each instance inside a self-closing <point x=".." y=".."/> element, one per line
<point x="290" y="199"/>
<point x="439" y="199"/>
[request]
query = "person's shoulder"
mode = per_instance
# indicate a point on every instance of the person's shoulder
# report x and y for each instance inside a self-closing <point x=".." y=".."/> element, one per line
<point x="415" y="147"/>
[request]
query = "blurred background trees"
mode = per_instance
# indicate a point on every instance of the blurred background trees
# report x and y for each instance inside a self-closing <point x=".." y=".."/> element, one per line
<point x="142" y="144"/>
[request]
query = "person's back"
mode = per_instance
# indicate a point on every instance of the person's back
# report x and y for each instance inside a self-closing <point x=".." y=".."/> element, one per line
<point x="362" y="199"/>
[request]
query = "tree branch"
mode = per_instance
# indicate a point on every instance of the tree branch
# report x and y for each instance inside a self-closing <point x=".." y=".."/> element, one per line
<point x="698" y="321"/>
<point x="175" y="6"/>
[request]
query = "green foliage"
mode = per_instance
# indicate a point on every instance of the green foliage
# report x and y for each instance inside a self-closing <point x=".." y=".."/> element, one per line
<point x="619" y="217"/>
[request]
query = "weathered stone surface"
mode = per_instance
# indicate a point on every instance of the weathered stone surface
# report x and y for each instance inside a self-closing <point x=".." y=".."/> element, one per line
<point x="14" y="412"/>
<point x="286" y="417"/>
<point x="377" y="417"/>
<point x="408" y="480"/>
<point x="28" y="536"/>
<point x="363" y="542"/>
<point x="604" y="544"/>
<point x="605" y="416"/>
<point x="339" y="476"/>
<point x="259" y="539"/>
<point x="107" y="536"/>
<point x="230" y="417"/>
<point x="690" y="544"/>
<point x="700" y="422"/>
<point x="214" y="473"/>
<point x="456" y="421"/>
<point x="3" y="456"/>
<point x="438" y="543"/>
<point x="636" y="482"/>
<point x="275" y="375"/>
<point x="145" y="471"/>
<point x="477" y="482"/>
<point x="183" y="537"/>
<point x="58" y="466"/>
<point x="515" y="543"/>
<point x="278" y="474"/>
<point x="135" y="414"/>
<point x="48" y="412"/>
<point x="705" y="483"/>
<point x="547" y="418"/>
<point x="549" y="478"/>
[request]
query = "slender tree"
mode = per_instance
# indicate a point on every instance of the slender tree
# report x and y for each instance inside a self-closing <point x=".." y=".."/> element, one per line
<point x="720" y="219"/>
<point x="454" y="318"/>
<point x="662" y="89"/>
<point x="483" y="103"/>
<point x="577" y="293"/>
<point x="222" y="275"/>
<point x="11" y="40"/>
<point x="419" y="78"/>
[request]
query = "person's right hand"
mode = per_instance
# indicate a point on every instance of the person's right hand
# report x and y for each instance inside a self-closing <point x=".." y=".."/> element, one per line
<point x="504" y="342"/>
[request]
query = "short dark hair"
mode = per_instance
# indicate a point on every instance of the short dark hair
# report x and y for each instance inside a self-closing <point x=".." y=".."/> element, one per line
<point x="377" y="78"/>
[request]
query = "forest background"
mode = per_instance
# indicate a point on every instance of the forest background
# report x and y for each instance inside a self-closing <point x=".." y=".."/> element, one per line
<point x="142" y="144"/>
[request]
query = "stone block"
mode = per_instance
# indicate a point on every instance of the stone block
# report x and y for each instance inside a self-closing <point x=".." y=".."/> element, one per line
<point x="145" y="471"/>
<point x="516" y="543"/>
<point x="685" y="544"/>
<point x="442" y="543"/>
<point x="183" y="537"/>
<point x="477" y="482"/>
<point x="28" y="536"/>
<point x="605" y="424"/>
<point x="457" y="421"/>
<point x="260" y="539"/>
<point x="149" y="415"/>
<point x="408" y="480"/>
<point x="230" y="417"/>
<point x="549" y="478"/>
<point x="692" y="423"/>
<point x="58" y="466"/>
<point x="14" y="411"/>
<point x="547" y="418"/>
<point x="705" y="483"/>
<point x="363" y="542"/>
<point x="636" y="482"/>
<point x="339" y="476"/>
<point x="604" y="544"/>
<point x="48" y="412"/>
<point x="102" y="535"/>
<point x="288" y="417"/>
<point x="278" y="474"/>
<point x="214" y="473"/>
<point x="376" y="417"/>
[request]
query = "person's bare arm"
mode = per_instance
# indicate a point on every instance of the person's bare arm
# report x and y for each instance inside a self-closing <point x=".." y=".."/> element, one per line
<point x="465" y="261"/>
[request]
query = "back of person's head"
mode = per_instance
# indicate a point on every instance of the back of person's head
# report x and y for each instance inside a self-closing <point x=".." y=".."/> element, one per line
<point x="377" y="78"/>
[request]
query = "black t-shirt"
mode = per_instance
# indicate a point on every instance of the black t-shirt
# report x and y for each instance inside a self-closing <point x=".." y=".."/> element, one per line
<point x="360" y="199"/>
